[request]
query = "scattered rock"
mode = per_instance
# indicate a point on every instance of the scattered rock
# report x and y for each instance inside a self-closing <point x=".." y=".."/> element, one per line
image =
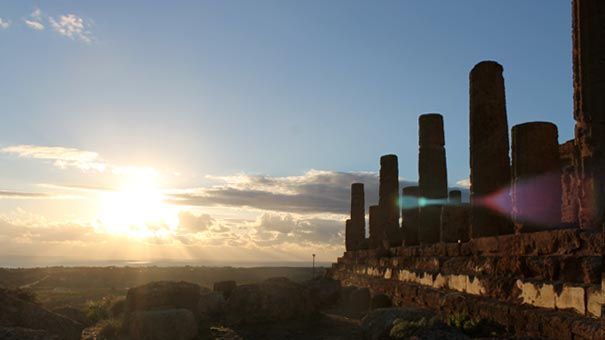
<point x="272" y="300"/>
<point x="163" y="295"/>
<point x="380" y="301"/>
<point x="211" y="305"/>
<point x="377" y="324"/>
<point x="323" y="291"/>
<point x="177" y="324"/>
<point x="225" y="288"/>
<point x="15" y="312"/>
<point x="224" y="333"/>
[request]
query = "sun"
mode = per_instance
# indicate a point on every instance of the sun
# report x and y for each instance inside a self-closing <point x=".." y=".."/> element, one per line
<point x="137" y="209"/>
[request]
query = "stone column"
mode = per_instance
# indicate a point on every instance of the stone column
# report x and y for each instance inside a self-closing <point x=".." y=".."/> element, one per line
<point x="490" y="163"/>
<point x="455" y="197"/>
<point x="569" y="183"/>
<point x="432" y="176"/>
<point x="349" y="239"/>
<point x="455" y="223"/>
<point x="410" y="214"/>
<point x="377" y="223"/>
<point x="389" y="197"/>
<point x="358" y="218"/>
<point x="536" y="177"/>
<point x="588" y="18"/>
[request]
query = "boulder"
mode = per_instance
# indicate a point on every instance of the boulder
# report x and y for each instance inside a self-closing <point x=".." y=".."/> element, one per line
<point x="323" y="291"/>
<point x="211" y="305"/>
<point x="377" y="324"/>
<point x="225" y="288"/>
<point x="18" y="333"/>
<point x="380" y="301"/>
<point x="163" y="295"/>
<point x="165" y="324"/>
<point x="272" y="300"/>
<point x="359" y="301"/>
<point x="15" y="312"/>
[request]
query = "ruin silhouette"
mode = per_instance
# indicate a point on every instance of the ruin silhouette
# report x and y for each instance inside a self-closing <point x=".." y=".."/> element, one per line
<point x="527" y="251"/>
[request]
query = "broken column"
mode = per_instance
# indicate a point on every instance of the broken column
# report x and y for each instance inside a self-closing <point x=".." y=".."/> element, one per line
<point x="432" y="176"/>
<point x="455" y="197"/>
<point x="349" y="239"/>
<point x="489" y="159"/>
<point x="389" y="198"/>
<point x="588" y="18"/>
<point x="358" y="218"/>
<point x="455" y="219"/>
<point x="377" y="223"/>
<point x="409" y="214"/>
<point x="536" y="193"/>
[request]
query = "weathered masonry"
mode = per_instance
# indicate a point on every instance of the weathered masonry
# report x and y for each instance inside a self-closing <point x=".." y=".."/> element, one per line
<point x="527" y="251"/>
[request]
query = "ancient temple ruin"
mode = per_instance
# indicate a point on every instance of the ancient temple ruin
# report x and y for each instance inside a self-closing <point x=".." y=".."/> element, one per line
<point x="527" y="251"/>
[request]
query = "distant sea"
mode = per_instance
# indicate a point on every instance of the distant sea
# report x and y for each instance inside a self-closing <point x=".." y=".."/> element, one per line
<point x="15" y="261"/>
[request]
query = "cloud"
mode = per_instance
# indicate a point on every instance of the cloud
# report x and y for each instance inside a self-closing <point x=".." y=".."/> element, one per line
<point x="35" y="20"/>
<point x="62" y="157"/>
<point x="72" y="27"/>
<point x="4" y="23"/>
<point x="465" y="183"/>
<point x="190" y="223"/>
<point x="8" y="194"/>
<point x="314" y="192"/>
<point x="280" y="229"/>
<point x="65" y="157"/>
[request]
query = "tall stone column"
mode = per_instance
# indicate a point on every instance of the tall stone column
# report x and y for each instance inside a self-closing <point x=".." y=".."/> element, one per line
<point x="588" y="18"/>
<point x="358" y="218"/>
<point x="489" y="160"/>
<point x="389" y="197"/>
<point x="432" y="175"/>
<point x="536" y="174"/>
<point x="410" y="215"/>
<point x="349" y="239"/>
<point x="377" y="223"/>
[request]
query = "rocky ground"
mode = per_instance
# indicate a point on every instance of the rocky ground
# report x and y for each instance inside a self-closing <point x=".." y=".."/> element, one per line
<point x="275" y="308"/>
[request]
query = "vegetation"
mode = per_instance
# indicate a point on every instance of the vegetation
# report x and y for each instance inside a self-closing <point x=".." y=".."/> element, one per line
<point x="403" y="329"/>
<point x="109" y="329"/>
<point x="471" y="326"/>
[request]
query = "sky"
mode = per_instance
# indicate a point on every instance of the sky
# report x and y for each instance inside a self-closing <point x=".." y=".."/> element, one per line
<point x="233" y="129"/>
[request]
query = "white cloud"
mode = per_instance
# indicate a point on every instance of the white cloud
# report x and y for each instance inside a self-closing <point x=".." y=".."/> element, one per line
<point x="35" y="25"/>
<point x="4" y="23"/>
<point x="191" y="223"/>
<point x="65" y="157"/>
<point x="62" y="157"/>
<point x="465" y="183"/>
<point x="35" y="20"/>
<point x="71" y="26"/>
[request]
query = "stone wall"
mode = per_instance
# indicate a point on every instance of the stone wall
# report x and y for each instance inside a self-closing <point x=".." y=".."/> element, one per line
<point x="552" y="275"/>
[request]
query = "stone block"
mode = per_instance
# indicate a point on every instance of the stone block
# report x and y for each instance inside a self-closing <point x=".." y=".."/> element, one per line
<point x="536" y="294"/>
<point x="594" y="300"/>
<point x="571" y="297"/>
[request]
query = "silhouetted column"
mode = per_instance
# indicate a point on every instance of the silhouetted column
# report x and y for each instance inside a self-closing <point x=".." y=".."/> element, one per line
<point x="570" y="186"/>
<point x="410" y="214"/>
<point x="490" y="163"/>
<point x="432" y="176"/>
<point x="389" y="197"/>
<point x="358" y="219"/>
<point x="589" y="107"/>
<point x="455" y="197"/>
<point x="349" y="238"/>
<point x="455" y="223"/>
<point x="536" y="176"/>
<point x="377" y="222"/>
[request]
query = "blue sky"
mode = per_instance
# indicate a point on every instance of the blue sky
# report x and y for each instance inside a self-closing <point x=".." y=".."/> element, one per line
<point x="200" y="90"/>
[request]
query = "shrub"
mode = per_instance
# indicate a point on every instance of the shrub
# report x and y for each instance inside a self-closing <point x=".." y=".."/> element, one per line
<point x="109" y="329"/>
<point x="117" y="307"/>
<point x="98" y="310"/>
<point x="24" y="294"/>
<point x="465" y="323"/>
<point x="403" y="329"/>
